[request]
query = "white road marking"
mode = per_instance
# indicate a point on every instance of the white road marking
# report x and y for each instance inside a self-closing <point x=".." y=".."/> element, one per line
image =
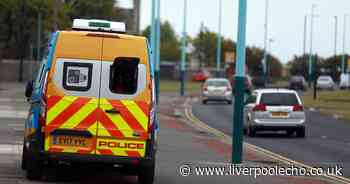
<point x="16" y="125"/>
<point x="12" y="100"/>
<point x="13" y="114"/>
<point x="8" y="149"/>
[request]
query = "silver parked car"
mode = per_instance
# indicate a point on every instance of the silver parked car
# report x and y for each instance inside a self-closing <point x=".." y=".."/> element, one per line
<point x="217" y="89"/>
<point x="274" y="110"/>
<point x="325" y="82"/>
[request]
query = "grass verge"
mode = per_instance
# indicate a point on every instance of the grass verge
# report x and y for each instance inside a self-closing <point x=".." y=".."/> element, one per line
<point x="330" y="102"/>
<point x="174" y="86"/>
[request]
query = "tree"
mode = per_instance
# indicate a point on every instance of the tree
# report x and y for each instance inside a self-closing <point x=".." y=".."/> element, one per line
<point x="299" y="65"/>
<point x="169" y="43"/>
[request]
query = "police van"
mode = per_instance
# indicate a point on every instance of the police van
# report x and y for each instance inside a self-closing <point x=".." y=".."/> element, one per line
<point x="92" y="102"/>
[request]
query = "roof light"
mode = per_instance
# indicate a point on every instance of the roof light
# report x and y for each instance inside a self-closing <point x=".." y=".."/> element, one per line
<point x="99" y="25"/>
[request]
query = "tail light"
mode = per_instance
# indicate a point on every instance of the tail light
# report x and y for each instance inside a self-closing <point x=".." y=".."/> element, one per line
<point x="228" y="89"/>
<point x="298" y="108"/>
<point x="205" y="88"/>
<point x="259" y="108"/>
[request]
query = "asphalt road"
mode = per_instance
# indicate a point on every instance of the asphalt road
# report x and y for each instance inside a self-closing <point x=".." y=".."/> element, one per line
<point x="327" y="142"/>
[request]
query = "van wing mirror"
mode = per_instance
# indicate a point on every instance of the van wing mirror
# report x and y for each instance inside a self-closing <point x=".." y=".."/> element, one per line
<point x="29" y="89"/>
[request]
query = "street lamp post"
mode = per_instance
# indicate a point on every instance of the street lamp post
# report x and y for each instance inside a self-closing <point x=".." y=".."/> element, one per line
<point x="237" y="138"/>
<point x="183" y="51"/>
<point x="267" y="60"/>
<point x="311" y="42"/>
<point x="344" y="44"/>
<point x="265" y="40"/>
<point x="157" y="50"/>
<point x="218" y="51"/>
<point x="335" y="45"/>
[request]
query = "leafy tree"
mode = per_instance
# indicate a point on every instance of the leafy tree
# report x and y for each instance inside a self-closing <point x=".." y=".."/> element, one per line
<point x="170" y="45"/>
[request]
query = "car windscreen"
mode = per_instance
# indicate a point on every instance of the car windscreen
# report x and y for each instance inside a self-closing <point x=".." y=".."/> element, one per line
<point x="217" y="83"/>
<point x="279" y="99"/>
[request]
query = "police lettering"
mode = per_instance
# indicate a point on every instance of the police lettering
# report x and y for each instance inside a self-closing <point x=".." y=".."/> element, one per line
<point x="111" y="144"/>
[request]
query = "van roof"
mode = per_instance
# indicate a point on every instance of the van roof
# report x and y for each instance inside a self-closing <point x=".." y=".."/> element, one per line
<point x="83" y="33"/>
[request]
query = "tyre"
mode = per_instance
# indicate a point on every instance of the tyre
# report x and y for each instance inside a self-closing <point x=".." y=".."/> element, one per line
<point x="204" y="102"/>
<point x="24" y="157"/>
<point x="301" y="133"/>
<point x="34" y="167"/>
<point x="146" y="173"/>
<point x="229" y="101"/>
<point x="251" y="132"/>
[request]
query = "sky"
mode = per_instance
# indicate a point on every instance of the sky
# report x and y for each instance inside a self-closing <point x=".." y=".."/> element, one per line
<point x="286" y="22"/>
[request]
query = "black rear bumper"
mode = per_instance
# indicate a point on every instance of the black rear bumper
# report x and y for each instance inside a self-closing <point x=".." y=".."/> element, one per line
<point x="96" y="159"/>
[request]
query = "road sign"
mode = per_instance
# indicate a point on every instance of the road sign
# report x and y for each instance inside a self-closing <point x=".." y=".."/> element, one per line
<point x="230" y="57"/>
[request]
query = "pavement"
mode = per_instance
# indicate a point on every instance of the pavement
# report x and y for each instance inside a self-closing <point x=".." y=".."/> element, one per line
<point x="180" y="143"/>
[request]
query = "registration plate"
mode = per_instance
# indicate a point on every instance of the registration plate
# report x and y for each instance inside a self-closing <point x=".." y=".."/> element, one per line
<point x="279" y="114"/>
<point x="72" y="141"/>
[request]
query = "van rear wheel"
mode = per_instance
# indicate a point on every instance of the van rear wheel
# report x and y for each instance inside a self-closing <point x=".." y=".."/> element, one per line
<point x="34" y="167"/>
<point x="146" y="173"/>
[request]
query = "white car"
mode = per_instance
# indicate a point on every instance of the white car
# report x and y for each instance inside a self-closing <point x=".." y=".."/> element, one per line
<point x="344" y="81"/>
<point x="325" y="82"/>
<point x="217" y="89"/>
<point x="274" y="110"/>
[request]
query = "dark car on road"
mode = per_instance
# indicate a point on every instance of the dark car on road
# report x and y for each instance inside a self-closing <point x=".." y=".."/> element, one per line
<point x="297" y="82"/>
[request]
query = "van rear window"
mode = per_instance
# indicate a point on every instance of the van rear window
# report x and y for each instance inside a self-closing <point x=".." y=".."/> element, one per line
<point x="77" y="76"/>
<point x="124" y="76"/>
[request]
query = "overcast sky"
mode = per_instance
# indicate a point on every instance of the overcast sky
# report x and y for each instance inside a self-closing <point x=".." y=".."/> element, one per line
<point x="286" y="22"/>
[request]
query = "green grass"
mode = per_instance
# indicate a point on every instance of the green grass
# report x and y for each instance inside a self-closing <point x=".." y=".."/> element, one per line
<point x="174" y="86"/>
<point x="330" y="102"/>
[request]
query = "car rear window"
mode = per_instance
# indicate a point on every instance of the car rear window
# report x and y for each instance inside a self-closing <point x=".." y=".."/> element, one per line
<point x="278" y="99"/>
<point x="217" y="83"/>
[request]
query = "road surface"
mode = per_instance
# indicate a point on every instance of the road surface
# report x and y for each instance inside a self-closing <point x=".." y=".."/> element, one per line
<point x="327" y="142"/>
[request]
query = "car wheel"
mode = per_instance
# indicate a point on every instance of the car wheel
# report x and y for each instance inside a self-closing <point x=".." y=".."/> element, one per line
<point x="146" y="173"/>
<point x="24" y="157"/>
<point x="229" y="101"/>
<point x="301" y="133"/>
<point x="204" y="102"/>
<point x="34" y="167"/>
<point x="251" y="132"/>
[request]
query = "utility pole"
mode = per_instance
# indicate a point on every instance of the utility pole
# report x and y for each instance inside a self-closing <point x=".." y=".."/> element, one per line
<point x="237" y="138"/>
<point x="265" y="39"/>
<point x="22" y="38"/>
<point x="344" y="43"/>
<point x="218" y="51"/>
<point x="38" y="51"/>
<point x="311" y="42"/>
<point x="183" y="51"/>
<point x="56" y="5"/>
<point x="157" y="73"/>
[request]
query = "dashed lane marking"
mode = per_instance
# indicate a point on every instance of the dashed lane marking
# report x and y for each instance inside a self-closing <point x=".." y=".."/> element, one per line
<point x="12" y="114"/>
<point x="10" y="149"/>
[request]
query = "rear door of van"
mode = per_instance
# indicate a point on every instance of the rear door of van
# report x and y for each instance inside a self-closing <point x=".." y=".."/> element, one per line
<point x="125" y="98"/>
<point x="72" y="94"/>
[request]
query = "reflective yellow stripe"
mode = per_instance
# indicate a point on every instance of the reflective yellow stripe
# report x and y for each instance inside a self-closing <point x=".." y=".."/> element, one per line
<point x="79" y="116"/>
<point x="135" y="110"/>
<point x="92" y="129"/>
<point x="117" y="120"/>
<point x="59" y="108"/>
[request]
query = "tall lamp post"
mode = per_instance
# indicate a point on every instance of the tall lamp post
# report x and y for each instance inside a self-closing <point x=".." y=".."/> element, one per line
<point x="311" y="42"/>
<point x="157" y="50"/>
<point x="183" y="51"/>
<point x="265" y="40"/>
<point x="237" y="138"/>
<point x="218" y="51"/>
<point x="344" y="44"/>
